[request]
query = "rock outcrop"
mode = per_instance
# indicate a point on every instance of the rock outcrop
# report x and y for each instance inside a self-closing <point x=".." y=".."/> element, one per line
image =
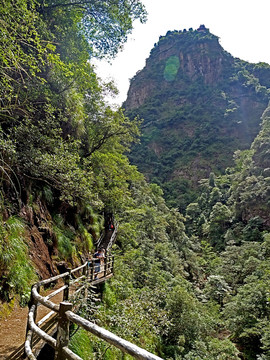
<point x="199" y="105"/>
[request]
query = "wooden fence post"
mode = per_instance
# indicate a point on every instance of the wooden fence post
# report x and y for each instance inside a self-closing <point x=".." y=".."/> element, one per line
<point x="87" y="268"/>
<point x="112" y="264"/>
<point x="62" y="339"/>
<point x="67" y="282"/>
<point x="85" y="273"/>
<point x="105" y="265"/>
<point x="32" y="302"/>
<point x="92" y="270"/>
<point x="109" y="264"/>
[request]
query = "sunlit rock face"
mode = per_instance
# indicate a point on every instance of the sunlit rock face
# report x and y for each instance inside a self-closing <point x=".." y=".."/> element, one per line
<point x="179" y="57"/>
<point x="199" y="105"/>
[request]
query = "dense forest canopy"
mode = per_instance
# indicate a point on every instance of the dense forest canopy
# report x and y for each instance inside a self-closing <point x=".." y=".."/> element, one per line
<point x="186" y="287"/>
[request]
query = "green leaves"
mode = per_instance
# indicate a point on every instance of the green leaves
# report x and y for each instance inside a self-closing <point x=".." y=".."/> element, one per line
<point x="16" y="270"/>
<point x="110" y="130"/>
<point x="105" y="24"/>
<point x="21" y="52"/>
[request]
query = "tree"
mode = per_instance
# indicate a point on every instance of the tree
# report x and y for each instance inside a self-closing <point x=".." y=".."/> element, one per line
<point x="190" y="321"/>
<point x="105" y="24"/>
<point x="248" y="315"/>
<point x="22" y="56"/>
<point x="219" y="221"/>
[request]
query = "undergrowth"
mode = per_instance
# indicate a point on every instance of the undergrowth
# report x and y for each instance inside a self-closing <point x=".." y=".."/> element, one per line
<point x="16" y="271"/>
<point x="65" y="238"/>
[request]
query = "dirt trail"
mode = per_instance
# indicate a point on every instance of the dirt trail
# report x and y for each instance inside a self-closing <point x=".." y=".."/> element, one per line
<point x="13" y="327"/>
<point x="13" y="330"/>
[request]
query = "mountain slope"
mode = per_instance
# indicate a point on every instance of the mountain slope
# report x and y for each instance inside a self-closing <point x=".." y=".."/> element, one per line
<point x="199" y="105"/>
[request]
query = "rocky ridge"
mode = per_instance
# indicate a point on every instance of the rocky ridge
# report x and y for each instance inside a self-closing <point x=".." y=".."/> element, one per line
<point x="199" y="105"/>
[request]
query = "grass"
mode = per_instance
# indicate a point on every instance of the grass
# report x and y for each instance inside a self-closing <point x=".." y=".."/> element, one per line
<point x="17" y="272"/>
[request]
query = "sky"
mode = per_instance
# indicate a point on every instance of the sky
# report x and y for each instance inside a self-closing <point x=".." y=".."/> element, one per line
<point x="242" y="26"/>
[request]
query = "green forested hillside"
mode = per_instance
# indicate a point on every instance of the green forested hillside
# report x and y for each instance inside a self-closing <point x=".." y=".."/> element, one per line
<point x="193" y="287"/>
<point x="199" y="105"/>
<point x="62" y="147"/>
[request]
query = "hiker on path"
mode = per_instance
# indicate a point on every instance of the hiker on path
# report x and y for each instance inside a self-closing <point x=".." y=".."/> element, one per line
<point x="98" y="260"/>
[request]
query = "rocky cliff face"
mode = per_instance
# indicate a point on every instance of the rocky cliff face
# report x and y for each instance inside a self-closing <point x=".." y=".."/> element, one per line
<point x="179" y="58"/>
<point x="199" y="105"/>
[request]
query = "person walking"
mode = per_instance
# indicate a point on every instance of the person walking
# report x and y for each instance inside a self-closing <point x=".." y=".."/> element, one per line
<point x="98" y="260"/>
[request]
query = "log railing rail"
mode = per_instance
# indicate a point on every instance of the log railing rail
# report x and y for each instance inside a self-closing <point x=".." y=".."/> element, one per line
<point x="65" y="315"/>
<point x="113" y="237"/>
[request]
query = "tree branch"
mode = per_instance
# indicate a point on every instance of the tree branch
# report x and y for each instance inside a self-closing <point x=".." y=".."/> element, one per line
<point x="103" y="140"/>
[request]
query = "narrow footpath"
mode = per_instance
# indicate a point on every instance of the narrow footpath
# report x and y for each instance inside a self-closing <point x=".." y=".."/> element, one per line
<point x="13" y="330"/>
<point x="13" y="327"/>
<point x="12" y="333"/>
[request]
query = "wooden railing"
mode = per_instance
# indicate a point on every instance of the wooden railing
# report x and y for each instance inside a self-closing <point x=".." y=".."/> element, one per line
<point x="113" y="237"/>
<point x="111" y="240"/>
<point x="86" y="275"/>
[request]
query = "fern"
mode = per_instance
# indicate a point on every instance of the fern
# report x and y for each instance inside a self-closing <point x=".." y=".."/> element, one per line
<point x="17" y="270"/>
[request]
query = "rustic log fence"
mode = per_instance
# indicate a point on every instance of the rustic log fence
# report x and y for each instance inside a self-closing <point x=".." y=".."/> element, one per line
<point x="64" y="315"/>
<point x="112" y="238"/>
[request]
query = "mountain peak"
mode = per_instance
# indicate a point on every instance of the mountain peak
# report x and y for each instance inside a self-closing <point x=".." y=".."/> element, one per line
<point x="199" y="105"/>
<point x="179" y="57"/>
